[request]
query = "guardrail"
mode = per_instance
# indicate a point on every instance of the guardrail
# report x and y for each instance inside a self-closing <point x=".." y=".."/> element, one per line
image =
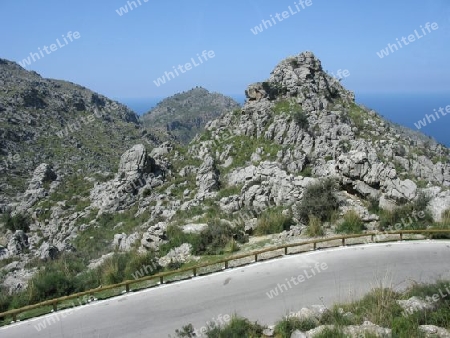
<point x="126" y="284"/>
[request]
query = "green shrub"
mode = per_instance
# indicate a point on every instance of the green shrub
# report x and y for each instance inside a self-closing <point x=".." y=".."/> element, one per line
<point x="217" y="236"/>
<point x="273" y="221"/>
<point x="352" y="224"/>
<point x="286" y="326"/>
<point x="307" y="171"/>
<point x="236" y="328"/>
<point x="213" y="240"/>
<point x="405" y="218"/>
<point x="186" y="331"/>
<point x="113" y="269"/>
<point x="176" y="237"/>
<point x="319" y="199"/>
<point x="5" y="299"/>
<point x="138" y="262"/>
<point x="378" y="306"/>
<point x="287" y="106"/>
<point x="56" y="278"/>
<point x="301" y="119"/>
<point x="17" y="222"/>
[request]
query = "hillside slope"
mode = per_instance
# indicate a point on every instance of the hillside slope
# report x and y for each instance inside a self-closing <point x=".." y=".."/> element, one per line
<point x="299" y="159"/>
<point x="185" y="114"/>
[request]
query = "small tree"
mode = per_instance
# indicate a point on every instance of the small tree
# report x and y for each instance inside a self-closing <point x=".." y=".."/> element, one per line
<point x="319" y="199"/>
<point x="301" y="119"/>
<point x="17" y="222"/>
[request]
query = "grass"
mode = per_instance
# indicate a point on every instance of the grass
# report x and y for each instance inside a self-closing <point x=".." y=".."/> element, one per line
<point x="229" y="191"/>
<point x="285" y="327"/>
<point x="352" y="224"/>
<point x="273" y="221"/>
<point x="314" y="228"/>
<point x="379" y="306"/>
<point x="410" y="216"/>
<point x="237" y="327"/>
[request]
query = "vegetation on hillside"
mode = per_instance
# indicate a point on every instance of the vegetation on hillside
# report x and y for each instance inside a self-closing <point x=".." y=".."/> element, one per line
<point x="379" y="306"/>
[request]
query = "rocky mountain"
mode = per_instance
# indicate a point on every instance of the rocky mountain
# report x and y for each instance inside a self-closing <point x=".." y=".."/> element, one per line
<point x="300" y="138"/>
<point x="185" y="114"/>
<point x="67" y="126"/>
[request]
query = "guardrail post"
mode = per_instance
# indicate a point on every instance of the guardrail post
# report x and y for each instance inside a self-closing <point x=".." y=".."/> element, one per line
<point x="314" y="246"/>
<point x="285" y="250"/>
<point x="55" y="306"/>
<point x="226" y="264"/>
<point x="127" y="287"/>
<point x="401" y="236"/>
<point x="194" y="270"/>
<point x="14" y="317"/>
<point x="161" y="279"/>
<point x="372" y="237"/>
<point x="256" y="257"/>
<point x="343" y="241"/>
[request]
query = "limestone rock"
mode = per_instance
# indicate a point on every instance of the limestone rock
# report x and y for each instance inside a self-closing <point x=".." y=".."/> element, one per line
<point x="180" y="254"/>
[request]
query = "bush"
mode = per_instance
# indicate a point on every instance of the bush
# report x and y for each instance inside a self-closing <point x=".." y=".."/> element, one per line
<point x="5" y="299"/>
<point x="285" y="327"/>
<point x="213" y="240"/>
<point x="113" y="270"/>
<point x="319" y="199"/>
<point x="217" y="236"/>
<point x="17" y="222"/>
<point x="301" y="119"/>
<point x="56" y="278"/>
<point x="405" y="218"/>
<point x="186" y="331"/>
<point x="176" y="237"/>
<point x="141" y="262"/>
<point x="237" y="327"/>
<point x="352" y="224"/>
<point x="273" y="221"/>
<point x="314" y="228"/>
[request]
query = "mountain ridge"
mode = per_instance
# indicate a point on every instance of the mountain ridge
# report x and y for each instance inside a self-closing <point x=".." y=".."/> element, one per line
<point x="300" y="158"/>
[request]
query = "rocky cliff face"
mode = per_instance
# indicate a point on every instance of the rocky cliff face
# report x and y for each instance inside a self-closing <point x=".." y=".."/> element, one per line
<point x="184" y="115"/>
<point x="301" y="118"/>
<point x="297" y="127"/>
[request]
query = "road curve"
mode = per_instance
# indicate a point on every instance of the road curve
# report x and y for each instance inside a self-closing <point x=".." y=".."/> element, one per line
<point x="329" y="276"/>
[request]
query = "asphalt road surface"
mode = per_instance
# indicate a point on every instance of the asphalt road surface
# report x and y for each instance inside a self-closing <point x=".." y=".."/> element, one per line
<point x="263" y="291"/>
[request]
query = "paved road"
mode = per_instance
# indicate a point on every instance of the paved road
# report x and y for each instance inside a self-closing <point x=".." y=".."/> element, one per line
<point x="321" y="277"/>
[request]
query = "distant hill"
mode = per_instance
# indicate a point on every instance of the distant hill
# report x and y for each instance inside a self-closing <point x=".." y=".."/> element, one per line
<point x="185" y="114"/>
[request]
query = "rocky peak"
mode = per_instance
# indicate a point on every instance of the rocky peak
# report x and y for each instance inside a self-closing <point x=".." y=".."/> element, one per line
<point x="300" y="77"/>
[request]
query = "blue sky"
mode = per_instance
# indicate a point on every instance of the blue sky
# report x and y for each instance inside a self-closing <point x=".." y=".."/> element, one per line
<point x="121" y="56"/>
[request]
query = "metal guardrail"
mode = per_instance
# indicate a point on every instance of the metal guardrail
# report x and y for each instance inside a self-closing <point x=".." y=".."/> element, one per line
<point x="126" y="284"/>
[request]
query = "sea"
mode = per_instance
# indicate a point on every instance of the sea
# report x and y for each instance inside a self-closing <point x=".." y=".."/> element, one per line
<point x="406" y="109"/>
